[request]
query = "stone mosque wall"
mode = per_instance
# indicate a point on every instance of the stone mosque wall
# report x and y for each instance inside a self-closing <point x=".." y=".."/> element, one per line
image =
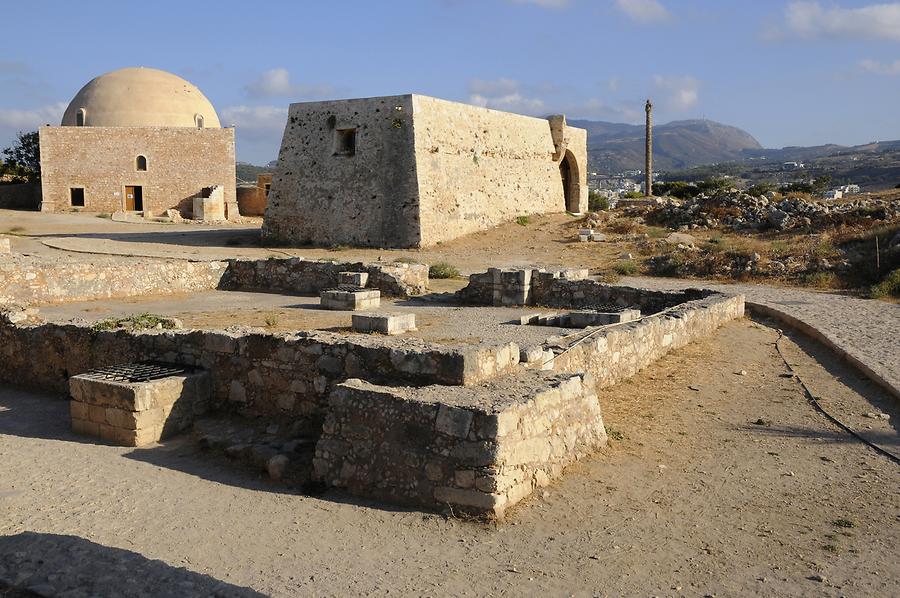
<point x="180" y="163"/>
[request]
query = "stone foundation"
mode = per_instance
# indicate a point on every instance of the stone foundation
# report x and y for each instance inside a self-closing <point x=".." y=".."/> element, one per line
<point x="137" y="413"/>
<point x="350" y="300"/>
<point x="29" y="281"/>
<point x="390" y="324"/>
<point x="479" y="450"/>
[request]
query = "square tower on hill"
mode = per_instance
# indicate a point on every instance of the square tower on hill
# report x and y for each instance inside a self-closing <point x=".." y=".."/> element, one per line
<point x="412" y="171"/>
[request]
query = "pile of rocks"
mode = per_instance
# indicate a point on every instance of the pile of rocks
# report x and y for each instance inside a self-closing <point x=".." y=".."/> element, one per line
<point x="740" y="211"/>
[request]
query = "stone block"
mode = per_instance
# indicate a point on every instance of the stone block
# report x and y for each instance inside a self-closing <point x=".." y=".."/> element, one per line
<point x="137" y="413"/>
<point x="5" y="246"/>
<point x="341" y="300"/>
<point x="387" y="323"/>
<point x="529" y="319"/>
<point x="585" y="318"/>
<point x="209" y="209"/>
<point x="453" y="421"/>
<point x="353" y="279"/>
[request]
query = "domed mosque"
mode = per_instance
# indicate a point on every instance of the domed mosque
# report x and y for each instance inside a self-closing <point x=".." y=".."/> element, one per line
<point x="139" y="140"/>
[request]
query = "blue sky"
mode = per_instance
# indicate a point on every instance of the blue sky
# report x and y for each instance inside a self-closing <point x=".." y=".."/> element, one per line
<point x="789" y="72"/>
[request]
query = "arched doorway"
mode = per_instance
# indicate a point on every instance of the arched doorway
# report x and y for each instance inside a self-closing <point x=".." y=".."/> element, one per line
<point x="568" y="172"/>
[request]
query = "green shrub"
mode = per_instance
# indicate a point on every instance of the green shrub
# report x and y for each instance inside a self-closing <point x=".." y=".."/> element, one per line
<point x="443" y="270"/>
<point x="676" y="189"/>
<point x="407" y="260"/>
<point x="626" y="268"/>
<point x="760" y="189"/>
<point x="888" y="287"/>
<point x="633" y="195"/>
<point x="523" y="221"/>
<point x="597" y="202"/>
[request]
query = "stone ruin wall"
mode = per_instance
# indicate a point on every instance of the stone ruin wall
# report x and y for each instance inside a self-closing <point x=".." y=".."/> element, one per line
<point x="27" y="281"/>
<point x="477" y="167"/>
<point x="180" y="163"/>
<point x="367" y="199"/>
<point x="462" y="447"/>
<point x="20" y="196"/>
<point x="252" y="372"/>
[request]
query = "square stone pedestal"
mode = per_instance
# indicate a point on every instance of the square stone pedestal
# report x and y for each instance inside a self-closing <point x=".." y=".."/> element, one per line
<point x="350" y="299"/>
<point x="137" y="404"/>
<point x="392" y="324"/>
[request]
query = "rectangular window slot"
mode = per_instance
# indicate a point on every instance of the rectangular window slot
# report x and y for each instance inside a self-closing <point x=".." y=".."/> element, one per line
<point x="76" y="197"/>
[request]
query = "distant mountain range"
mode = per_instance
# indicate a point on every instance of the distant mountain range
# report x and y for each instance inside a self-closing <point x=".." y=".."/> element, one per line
<point x="680" y="144"/>
<point x="685" y="144"/>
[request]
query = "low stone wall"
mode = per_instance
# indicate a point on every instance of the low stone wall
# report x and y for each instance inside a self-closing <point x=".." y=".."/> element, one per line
<point x="29" y="281"/>
<point x="478" y="450"/>
<point x="306" y="277"/>
<point x="613" y="354"/>
<point x="20" y="196"/>
<point x="252" y="372"/>
<point x="568" y="289"/>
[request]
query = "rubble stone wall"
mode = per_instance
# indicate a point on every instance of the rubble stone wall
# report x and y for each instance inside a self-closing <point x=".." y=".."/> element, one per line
<point x="305" y="277"/>
<point x="27" y="281"/>
<point x="252" y="372"/>
<point x="616" y="353"/>
<point x="478" y="450"/>
<point x="181" y="161"/>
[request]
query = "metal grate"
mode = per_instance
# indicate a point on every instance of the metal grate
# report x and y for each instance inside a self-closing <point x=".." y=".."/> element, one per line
<point x="144" y="371"/>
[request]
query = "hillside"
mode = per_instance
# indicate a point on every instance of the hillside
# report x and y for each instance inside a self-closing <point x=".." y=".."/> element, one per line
<point x="614" y="147"/>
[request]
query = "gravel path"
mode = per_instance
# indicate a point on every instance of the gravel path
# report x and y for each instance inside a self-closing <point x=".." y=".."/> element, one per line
<point x="865" y="331"/>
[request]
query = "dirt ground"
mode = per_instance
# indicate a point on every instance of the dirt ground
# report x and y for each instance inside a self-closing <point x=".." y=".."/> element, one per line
<point x="714" y="483"/>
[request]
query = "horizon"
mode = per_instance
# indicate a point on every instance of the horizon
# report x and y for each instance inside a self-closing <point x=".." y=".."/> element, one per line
<point x="789" y="73"/>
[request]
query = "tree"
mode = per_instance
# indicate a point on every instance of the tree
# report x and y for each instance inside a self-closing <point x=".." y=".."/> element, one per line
<point x="23" y="159"/>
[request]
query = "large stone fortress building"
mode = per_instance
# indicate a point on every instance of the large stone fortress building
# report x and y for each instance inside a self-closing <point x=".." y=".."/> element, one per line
<point x="136" y="139"/>
<point x="411" y="170"/>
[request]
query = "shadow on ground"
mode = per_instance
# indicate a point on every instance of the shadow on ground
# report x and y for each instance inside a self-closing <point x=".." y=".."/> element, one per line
<point x="238" y="237"/>
<point x="35" y="564"/>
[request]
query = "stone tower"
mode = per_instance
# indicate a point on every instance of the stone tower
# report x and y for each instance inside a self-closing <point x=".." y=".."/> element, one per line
<point x="648" y="151"/>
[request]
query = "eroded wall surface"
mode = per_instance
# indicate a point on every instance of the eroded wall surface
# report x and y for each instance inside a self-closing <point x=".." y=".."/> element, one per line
<point x="103" y="161"/>
<point x="478" y="167"/>
<point x="421" y="171"/>
<point x="324" y="195"/>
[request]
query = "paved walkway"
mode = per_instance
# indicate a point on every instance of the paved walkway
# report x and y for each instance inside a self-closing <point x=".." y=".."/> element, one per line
<point x="866" y="332"/>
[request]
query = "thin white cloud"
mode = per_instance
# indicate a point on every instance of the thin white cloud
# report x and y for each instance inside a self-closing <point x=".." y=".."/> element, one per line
<point x="880" y="68"/>
<point x="681" y="92"/>
<point x="614" y="85"/>
<point x="256" y="122"/>
<point x="276" y="83"/>
<point x="812" y="20"/>
<point x="542" y="3"/>
<point x="11" y="118"/>
<point x="503" y="94"/>
<point x="644" y="11"/>
<point x="596" y="109"/>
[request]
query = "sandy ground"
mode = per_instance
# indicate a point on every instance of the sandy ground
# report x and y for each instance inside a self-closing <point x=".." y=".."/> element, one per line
<point x="715" y="483"/>
<point x="436" y="322"/>
<point x="548" y="241"/>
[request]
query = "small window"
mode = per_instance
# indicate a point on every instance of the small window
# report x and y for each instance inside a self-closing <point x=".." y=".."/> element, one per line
<point x="76" y="197"/>
<point x="80" y="117"/>
<point x="141" y="163"/>
<point x="268" y="186"/>
<point x="198" y="118"/>
<point x="344" y="142"/>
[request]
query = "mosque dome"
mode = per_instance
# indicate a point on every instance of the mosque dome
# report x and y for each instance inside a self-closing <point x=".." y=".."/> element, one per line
<point x="140" y="97"/>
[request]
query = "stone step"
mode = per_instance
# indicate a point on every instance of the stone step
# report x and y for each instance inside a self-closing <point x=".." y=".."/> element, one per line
<point x="283" y="451"/>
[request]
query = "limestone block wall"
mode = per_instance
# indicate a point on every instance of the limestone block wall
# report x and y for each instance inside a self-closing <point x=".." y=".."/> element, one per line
<point x="421" y="171"/>
<point x="253" y="372"/>
<point x="479" y="450"/>
<point x="478" y="167"/>
<point x="30" y="281"/>
<point x="181" y="161"/>
<point x="616" y="353"/>
<point x="323" y="193"/>
<point x="306" y="277"/>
